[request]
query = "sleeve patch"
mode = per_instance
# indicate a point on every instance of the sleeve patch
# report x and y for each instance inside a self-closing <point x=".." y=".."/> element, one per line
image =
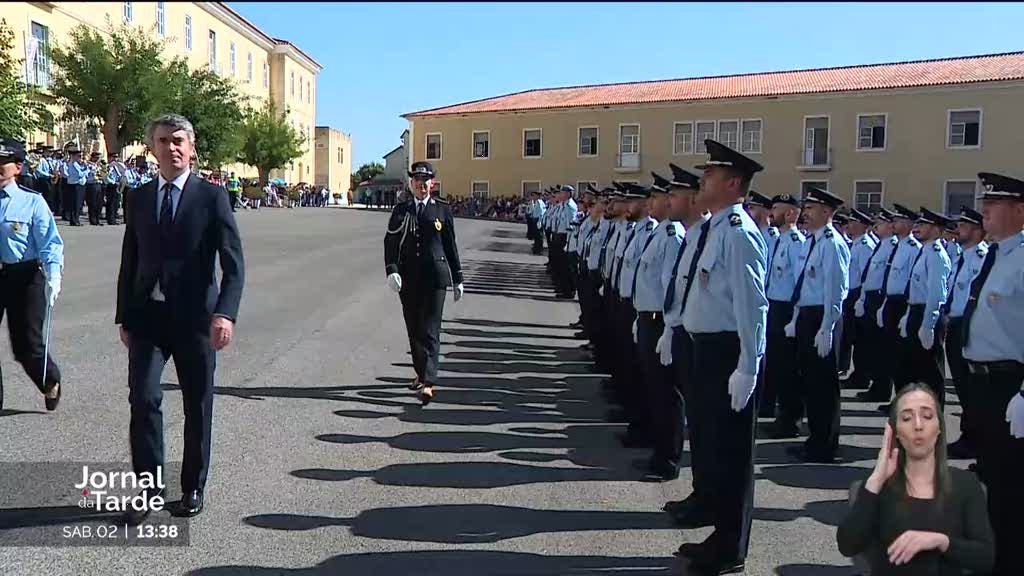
<point x="735" y="220"/>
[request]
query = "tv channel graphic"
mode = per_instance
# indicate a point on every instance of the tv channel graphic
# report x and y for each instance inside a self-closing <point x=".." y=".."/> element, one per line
<point x="86" y="503"/>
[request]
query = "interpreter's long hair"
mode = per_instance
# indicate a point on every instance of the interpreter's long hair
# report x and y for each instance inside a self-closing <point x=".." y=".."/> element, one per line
<point x="943" y="481"/>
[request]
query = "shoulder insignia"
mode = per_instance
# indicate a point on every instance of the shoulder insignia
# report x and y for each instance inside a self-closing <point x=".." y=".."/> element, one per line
<point x="24" y="189"/>
<point x="671" y="230"/>
<point x="864" y="241"/>
<point x="828" y="233"/>
<point x="938" y="247"/>
<point x="649" y="226"/>
<point x="982" y="252"/>
<point x="439" y="200"/>
<point x="735" y="220"/>
<point x="894" y="241"/>
<point x="795" y="236"/>
<point x="773" y="231"/>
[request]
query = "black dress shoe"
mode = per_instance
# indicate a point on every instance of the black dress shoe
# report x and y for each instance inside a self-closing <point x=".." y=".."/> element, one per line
<point x="802" y="454"/>
<point x="691" y="549"/>
<point x="191" y="504"/>
<point x="692" y="517"/>
<point x="135" y="517"/>
<point x="708" y="565"/>
<point x="51" y="403"/>
<point x="663" y="473"/>
<point x="779" y="431"/>
<point x="633" y="441"/>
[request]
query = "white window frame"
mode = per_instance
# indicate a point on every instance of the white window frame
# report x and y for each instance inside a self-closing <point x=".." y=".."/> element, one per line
<point x="161" y="19"/>
<point x="739" y="132"/>
<point x="292" y="93"/>
<point x="697" y="140"/>
<point x="800" y="191"/>
<point x="579" y="141"/>
<point x="211" y="49"/>
<point x="300" y="89"/>
<point x="472" y="187"/>
<point x="828" y="143"/>
<point x="188" y="32"/>
<point x="949" y="127"/>
<point x="881" y="201"/>
<point x="885" y="141"/>
<point x="440" y="146"/>
<point x="760" y="136"/>
<point x="581" y="186"/>
<point x="523" y="144"/>
<point x="127" y="12"/>
<point x="945" y="192"/>
<point x="309" y="98"/>
<point x="248" y="64"/>
<point x="41" y="66"/>
<point x="623" y="125"/>
<point x="522" y="187"/>
<point x="266" y="74"/>
<point x="472" y="145"/>
<point x="693" y="132"/>
<point x="232" y="53"/>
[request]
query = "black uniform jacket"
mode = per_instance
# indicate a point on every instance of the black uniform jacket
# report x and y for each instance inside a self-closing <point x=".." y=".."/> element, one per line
<point x="422" y="250"/>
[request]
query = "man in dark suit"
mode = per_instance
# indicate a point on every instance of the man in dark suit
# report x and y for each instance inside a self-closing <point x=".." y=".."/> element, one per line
<point x="168" y="303"/>
<point x="421" y="260"/>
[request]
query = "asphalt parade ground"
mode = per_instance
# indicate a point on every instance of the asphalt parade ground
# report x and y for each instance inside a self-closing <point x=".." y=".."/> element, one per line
<point x="324" y="463"/>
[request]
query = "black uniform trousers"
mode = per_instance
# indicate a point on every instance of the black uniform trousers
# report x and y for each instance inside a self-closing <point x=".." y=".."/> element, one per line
<point x="730" y="435"/>
<point x="819" y="383"/>
<point x="849" y="334"/>
<point x="606" y="350"/>
<point x="664" y="400"/>
<point x="891" y="360"/>
<point x="74" y="195"/>
<point x="572" y="271"/>
<point x="866" y="359"/>
<point x="593" y="307"/>
<point x="1000" y="456"/>
<point x="42" y="185"/>
<point x="958" y="370"/>
<point x="57" y="197"/>
<point x="676" y="410"/>
<point x="153" y="342"/>
<point x="538" y="237"/>
<point x="23" y="299"/>
<point x="113" y="200"/>
<point x="780" y="381"/>
<point x="531" y="227"/>
<point x="422" y="309"/>
<point x="634" y="386"/>
<point x="94" y="201"/>
<point x="927" y="366"/>
<point x="559" y="263"/>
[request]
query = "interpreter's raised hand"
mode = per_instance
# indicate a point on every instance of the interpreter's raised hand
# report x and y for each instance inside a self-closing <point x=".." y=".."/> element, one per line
<point x="885" y="465"/>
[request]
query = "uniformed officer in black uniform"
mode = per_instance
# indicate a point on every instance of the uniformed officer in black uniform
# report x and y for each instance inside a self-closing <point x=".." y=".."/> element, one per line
<point x="421" y="260"/>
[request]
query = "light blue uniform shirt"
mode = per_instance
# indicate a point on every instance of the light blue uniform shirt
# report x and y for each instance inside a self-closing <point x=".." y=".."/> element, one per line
<point x="625" y="237"/>
<point x="28" y="231"/>
<point x="860" y="255"/>
<point x="899" y="273"/>
<point x="771" y="239"/>
<point x="537" y="208"/>
<point x="76" y="172"/>
<point x="650" y="285"/>
<point x="674" y="314"/>
<point x="953" y="249"/>
<point x="997" y="325"/>
<point x="642" y="230"/>
<point x="116" y="169"/>
<point x="583" y="235"/>
<point x="43" y="168"/>
<point x="960" y="280"/>
<point x="565" y="216"/>
<point x="928" y="282"/>
<point x="574" y="232"/>
<point x="786" y="265"/>
<point x="877" y="269"/>
<point x="827" y="275"/>
<point x="618" y="225"/>
<point x="729" y="293"/>
<point x="595" y="246"/>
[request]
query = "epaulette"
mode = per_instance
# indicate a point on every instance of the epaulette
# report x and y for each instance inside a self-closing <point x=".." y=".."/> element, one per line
<point x="828" y="233"/>
<point x="670" y="229"/>
<point x="864" y="241"/>
<point x="771" y="231"/>
<point x="894" y="240"/>
<point x="24" y="189"/>
<point x="735" y="220"/>
<point x="650" y="226"/>
<point x="981" y="252"/>
<point x="441" y="200"/>
<point x="912" y="241"/>
<point x="938" y="247"/>
<point x="795" y="236"/>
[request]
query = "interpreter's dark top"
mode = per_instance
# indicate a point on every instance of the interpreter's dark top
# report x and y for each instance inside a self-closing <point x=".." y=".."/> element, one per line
<point x="877" y="520"/>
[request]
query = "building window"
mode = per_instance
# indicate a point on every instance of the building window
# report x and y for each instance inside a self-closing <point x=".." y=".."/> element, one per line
<point x="231" y="57"/>
<point x="587" y="141"/>
<point x="750" y="137"/>
<point x="960" y="193"/>
<point x="188" y="33"/>
<point x="530" y="186"/>
<point x="212" y="48"/>
<point x="481" y="145"/>
<point x="38" y="57"/>
<point x="266" y="74"/>
<point x="682" y="138"/>
<point x="309" y="92"/>
<point x="532" y="143"/>
<point x="705" y="131"/>
<point x="964" y="128"/>
<point x="300" y="90"/>
<point x="434" y="146"/>
<point x="481" y="190"/>
<point x="871" y="131"/>
<point x="729" y="133"/>
<point x="629" y="139"/>
<point x="436" y="190"/>
<point x="293" y="83"/>
<point x="806" y="185"/>
<point x="126" y="12"/>
<point x="816" y="140"/>
<point x="341" y="155"/>
<point x="248" y="66"/>
<point x="160" y="19"/>
<point x="868" y="195"/>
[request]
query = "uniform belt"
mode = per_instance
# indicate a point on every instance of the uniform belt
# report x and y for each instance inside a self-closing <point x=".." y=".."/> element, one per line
<point x="997" y="366"/>
<point x="814" y="308"/>
<point x="19" y="265"/>
<point x="651" y="315"/>
<point x="896" y="297"/>
<point x="918" y="306"/>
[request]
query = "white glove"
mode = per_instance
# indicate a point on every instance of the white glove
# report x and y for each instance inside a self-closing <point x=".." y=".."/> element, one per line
<point x="635" y="340"/>
<point x="459" y="290"/>
<point x="927" y="337"/>
<point x="823" y="342"/>
<point x="741" y="388"/>
<point x="858" y="308"/>
<point x="790" y="328"/>
<point x="395" y="282"/>
<point x="52" y="289"/>
<point x="1015" y="416"/>
<point x="664" y="346"/>
<point x="903" y="324"/>
<point x="600" y="291"/>
<point x="879" y="316"/>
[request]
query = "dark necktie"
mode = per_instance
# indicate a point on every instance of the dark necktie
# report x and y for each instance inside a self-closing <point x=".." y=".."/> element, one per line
<point x="618" y="273"/>
<point x="636" y="270"/>
<point x="906" y="289"/>
<point x="976" y="286"/>
<point x="419" y="209"/>
<point x="771" y="260"/>
<point x="867" y="266"/>
<point x="888" y="268"/>
<point x="670" y="290"/>
<point x="949" y="297"/>
<point x="800" y="279"/>
<point x="166" y="210"/>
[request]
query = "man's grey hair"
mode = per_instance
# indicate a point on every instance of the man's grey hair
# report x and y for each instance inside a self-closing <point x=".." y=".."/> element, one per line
<point x="176" y="121"/>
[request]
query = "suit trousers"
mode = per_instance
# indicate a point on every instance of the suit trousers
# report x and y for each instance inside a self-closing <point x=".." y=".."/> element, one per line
<point x="23" y="299"/>
<point x="153" y="342"/>
<point x="422" y="309"/>
<point x="780" y="379"/>
<point x="731" y="435"/>
<point x="819" y="383"/>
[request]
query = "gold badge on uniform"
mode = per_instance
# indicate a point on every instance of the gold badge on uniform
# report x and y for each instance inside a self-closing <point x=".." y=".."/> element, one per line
<point x="993" y="298"/>
<point x="437" y="224"/>
<point x="15" y="226"/>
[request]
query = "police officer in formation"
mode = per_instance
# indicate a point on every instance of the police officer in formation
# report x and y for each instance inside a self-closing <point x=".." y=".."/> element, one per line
<point x="534" y="214"/>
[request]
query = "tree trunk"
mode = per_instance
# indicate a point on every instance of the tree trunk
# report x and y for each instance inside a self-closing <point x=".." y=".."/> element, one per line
<point x="110" y="125"/>
<point x="264" y="176"/>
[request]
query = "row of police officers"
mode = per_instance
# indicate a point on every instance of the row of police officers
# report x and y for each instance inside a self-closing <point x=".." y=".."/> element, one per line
<point x="710" y="304"/>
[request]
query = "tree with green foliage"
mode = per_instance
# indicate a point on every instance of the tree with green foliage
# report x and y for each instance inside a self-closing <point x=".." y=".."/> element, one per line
<point x="22" y="110"/>
<point x="268" y="141"/>
<point x="366" y="172"/>
<point x="216" y="109"/>
<point x="120" y="80"/>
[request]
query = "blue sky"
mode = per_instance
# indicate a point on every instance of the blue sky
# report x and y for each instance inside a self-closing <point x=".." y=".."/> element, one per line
<point x="382" y="60"/>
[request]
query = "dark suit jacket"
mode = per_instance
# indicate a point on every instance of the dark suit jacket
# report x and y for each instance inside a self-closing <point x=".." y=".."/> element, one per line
<point x="203" y="228"/>
<point x="422" y="250"/>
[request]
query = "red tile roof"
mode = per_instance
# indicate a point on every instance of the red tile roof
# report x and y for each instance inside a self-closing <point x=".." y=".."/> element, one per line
<point x="962" y="70"/>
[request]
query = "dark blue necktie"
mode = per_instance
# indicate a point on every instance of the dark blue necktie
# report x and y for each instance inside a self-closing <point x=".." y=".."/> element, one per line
<point x="670" y="290"/>
<point x="636" y="270"/>
<point x="949" y="297"/>
<point x="166" y="210"/>
<point x="800" y="279"/>
<point x="976" y="286"/>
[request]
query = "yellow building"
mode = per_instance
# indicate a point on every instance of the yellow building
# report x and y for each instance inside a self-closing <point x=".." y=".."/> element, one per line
<point x="205" y="34"/>
<point x="914" y="132"/>
<point x="333" y="160"/>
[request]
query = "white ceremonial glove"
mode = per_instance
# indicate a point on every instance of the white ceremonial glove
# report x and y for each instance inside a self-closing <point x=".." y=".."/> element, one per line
<point x="927" y="337"/>
<point x="52" y="289"/>
<point x="1015" y="416"/>
<point x="459" y="291"/>
<point x="395" y="282"/>
<point x="790" y="328"/>
<point x="635" y="340"/>
<point x="903" y="324"/>
<point x="664" y="347"/>
<point x="741" y="388"/>
<point x="880" y="317"/>
<point x="858" y="308"/>
<point x="823" y="342"/>
<point x="600" y="291"/>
